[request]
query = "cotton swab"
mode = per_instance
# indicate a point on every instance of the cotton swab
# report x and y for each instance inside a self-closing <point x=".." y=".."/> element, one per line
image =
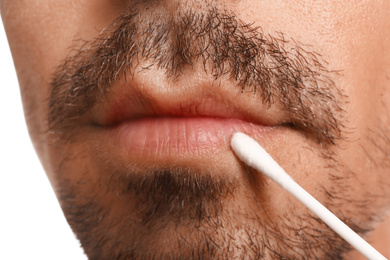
<point x="251" y="153"/>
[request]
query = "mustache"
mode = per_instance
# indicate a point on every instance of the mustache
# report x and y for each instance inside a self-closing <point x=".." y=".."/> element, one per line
<point x="281" y="71"/>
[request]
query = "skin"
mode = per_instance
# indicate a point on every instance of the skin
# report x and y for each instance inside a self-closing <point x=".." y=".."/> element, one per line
<point x="352" y="37"/>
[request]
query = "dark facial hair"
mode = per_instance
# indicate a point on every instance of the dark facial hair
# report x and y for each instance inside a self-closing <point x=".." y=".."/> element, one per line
<point x="281" y="71"/>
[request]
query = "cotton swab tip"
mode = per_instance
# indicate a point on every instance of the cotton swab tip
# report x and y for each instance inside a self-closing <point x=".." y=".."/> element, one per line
<point x="253" y="155"/>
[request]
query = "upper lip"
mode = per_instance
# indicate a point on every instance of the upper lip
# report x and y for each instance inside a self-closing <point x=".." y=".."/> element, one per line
<point x="129" y="100"/>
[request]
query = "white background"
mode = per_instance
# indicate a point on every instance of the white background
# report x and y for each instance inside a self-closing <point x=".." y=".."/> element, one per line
<point x="32" y="225"/>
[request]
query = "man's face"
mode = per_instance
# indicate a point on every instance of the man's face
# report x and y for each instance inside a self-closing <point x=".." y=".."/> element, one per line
<point x="131" y="106"/>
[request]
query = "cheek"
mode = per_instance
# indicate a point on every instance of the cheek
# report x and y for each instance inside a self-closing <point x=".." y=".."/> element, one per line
<point x="354" y="38"/>
<point x="41" y="34"/>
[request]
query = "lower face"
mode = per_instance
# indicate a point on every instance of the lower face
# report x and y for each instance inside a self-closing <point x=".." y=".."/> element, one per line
<point x="171" y="187"/>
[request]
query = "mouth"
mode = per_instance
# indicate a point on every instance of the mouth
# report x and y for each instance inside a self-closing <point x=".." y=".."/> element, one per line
<point x="174" y="137"/>
<point x="169" y="126"/>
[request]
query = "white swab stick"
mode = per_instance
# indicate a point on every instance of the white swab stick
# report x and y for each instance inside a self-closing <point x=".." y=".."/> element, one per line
<point x="251" y="153"/>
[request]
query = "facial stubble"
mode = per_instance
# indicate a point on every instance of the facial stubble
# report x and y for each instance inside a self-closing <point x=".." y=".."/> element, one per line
<point x="166" y="200"/>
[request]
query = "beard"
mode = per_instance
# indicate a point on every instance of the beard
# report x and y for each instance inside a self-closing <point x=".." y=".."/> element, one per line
<point x="178" y="212"/>
<point x="122" y="210"/>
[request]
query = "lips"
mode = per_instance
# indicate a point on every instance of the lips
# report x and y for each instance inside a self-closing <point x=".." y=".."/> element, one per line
<point x="146" y="120"/>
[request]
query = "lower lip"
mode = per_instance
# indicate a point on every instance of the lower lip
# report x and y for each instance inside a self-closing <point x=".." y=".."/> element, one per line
<point x="175" y="137"/>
